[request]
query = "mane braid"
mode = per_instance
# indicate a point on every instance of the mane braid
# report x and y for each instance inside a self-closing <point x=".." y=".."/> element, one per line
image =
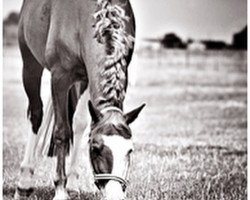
<point x="110" y="30"/>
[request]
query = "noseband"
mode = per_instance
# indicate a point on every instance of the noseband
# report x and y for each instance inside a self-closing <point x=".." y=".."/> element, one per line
<point x="108" y="177"/>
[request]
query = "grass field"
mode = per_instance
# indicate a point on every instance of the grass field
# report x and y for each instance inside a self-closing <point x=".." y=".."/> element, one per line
<point x="190" y="141"/>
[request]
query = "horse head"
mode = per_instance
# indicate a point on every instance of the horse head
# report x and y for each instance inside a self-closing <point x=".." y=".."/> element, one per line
<point x="110" y="149"/>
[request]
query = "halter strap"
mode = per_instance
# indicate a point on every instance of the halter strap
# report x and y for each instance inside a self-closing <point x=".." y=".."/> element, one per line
<point x="111" y="108"/>
<point x="112" y="177"/>
<point x="98" y="177"/>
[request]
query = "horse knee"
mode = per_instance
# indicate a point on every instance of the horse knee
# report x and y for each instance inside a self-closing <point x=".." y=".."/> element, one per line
<point x="62" y="135"/>
<point x="60" y="141"/>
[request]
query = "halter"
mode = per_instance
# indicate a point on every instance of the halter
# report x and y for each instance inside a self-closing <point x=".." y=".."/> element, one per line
<point x="112" y="177"/>
<point x="106" y="176"/>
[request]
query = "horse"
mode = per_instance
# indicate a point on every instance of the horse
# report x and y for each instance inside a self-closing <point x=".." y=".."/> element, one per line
<point x="87" y="46"/>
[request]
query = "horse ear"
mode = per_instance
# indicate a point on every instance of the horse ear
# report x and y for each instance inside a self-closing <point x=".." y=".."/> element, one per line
<point x="132" y="115"/>
<point x="96" y="115"/>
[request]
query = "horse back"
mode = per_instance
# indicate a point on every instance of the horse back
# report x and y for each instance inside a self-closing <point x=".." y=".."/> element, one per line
<point x="62" y="32"/>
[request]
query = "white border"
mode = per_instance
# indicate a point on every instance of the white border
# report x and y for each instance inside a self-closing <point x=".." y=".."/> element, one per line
<point x="1" y="101"/>
<point x="248" y="109"/>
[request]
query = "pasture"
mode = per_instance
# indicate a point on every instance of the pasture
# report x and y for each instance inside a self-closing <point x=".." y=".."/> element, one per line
<point x="190" y="141"/>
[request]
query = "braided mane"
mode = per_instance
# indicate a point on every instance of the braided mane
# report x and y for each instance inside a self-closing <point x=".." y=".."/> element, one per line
<point x="110" y="30"/>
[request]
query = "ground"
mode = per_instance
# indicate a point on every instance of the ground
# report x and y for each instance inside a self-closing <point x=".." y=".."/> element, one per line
<point x="190" y="141"/>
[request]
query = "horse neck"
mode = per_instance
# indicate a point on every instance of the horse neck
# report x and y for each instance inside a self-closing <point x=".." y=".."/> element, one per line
<point x="104" y="95"/>
<point x="111" y="82"/>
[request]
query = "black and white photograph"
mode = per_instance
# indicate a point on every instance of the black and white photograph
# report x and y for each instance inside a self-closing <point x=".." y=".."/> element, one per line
<point x="124" y="100"/>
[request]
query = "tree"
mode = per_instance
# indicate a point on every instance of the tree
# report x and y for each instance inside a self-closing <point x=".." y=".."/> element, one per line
<point x="171" y="40"/>
<point x="11" y="19"/>
<point x="240" y="40"/>
<point x="215" y="44"/>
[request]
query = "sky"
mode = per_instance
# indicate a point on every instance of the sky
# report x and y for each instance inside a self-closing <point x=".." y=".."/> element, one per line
<point x="197" y="19"/>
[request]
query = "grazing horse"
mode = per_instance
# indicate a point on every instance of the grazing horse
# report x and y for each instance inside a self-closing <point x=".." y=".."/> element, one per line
<point x="87" y="46"/>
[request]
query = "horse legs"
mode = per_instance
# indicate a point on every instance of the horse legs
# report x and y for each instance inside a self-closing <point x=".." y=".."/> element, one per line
<point x="81" y="121"/>
<point x="61" y="82"/>
<point x="32" y="72"/>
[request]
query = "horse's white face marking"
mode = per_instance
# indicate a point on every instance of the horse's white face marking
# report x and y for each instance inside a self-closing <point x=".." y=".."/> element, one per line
<point x="121" y="149"/>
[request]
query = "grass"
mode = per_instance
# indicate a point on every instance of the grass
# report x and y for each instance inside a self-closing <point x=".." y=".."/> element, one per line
<point x="190" y="141"/>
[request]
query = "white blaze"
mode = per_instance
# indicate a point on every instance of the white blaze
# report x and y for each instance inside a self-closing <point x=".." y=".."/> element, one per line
<point x="120" y="148"/>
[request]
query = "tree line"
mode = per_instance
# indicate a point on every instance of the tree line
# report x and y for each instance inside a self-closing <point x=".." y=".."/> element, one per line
<point x="170" y="40"/>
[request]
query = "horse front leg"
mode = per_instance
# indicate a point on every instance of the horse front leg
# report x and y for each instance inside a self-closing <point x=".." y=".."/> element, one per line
<point x="81" y="123"/>
<point x="62" y="133"/>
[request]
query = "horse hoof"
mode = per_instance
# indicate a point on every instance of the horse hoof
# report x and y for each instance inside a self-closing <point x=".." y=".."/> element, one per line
<point x="61" y="198"/>
<point x="61" y="195"/>
<point x="23" y="194"/>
